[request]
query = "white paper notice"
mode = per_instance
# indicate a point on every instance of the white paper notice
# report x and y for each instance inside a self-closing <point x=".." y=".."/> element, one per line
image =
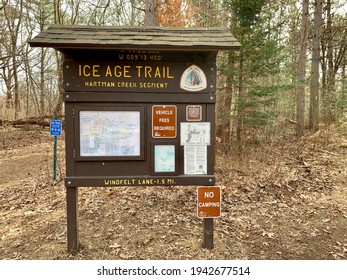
<point x="195" y="133"/>
<point x="195" y="159"/>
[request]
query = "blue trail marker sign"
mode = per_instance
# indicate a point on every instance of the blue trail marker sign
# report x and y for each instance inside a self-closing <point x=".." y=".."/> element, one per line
<point x="55" y="127"/>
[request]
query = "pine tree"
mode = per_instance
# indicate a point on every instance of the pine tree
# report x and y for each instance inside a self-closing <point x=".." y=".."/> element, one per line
<point x="255" y="66"/>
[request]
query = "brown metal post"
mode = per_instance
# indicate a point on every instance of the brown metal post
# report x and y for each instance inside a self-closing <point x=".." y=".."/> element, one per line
<point x="72" y="219"/>
<point x="208" y="233"/>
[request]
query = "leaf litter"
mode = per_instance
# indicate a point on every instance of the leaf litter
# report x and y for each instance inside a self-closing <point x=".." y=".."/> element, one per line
<point x="284" y="200"/>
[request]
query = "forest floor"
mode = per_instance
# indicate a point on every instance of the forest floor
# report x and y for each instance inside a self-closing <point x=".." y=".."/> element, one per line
<point x="283" y="200"/>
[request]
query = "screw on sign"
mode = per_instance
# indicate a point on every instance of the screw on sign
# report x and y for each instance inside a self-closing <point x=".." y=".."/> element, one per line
<point x="209" y="202"/>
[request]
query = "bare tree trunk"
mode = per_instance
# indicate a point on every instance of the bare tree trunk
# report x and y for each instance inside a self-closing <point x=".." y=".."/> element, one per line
<point x="42" y="83"/>
<point x="42" y="67"/>
<point x="330" y="101"/>
<point x="13" y="17"/>
<point x="294" y="53"/>
<point x="206" y="13"/>
<point x="323" y="94"/>
<point x="151" y="13"/>
<point x="314" y="82"/>
<point x="15" y="78"/>
<point x="343" y="83"/>
<point x="241" y="104"/>
<point x="300" y="105"/>
<point x="225" y="107"/>
<point x="59" y="105"/>
<point x="59" y="19"/>
<point x="6" y="75"/>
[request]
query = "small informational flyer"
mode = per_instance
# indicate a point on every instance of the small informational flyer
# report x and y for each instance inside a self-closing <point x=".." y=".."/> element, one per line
<point x="164" y="158"/>
<point x="195" y="133"/>
<point x="195" y="159"/>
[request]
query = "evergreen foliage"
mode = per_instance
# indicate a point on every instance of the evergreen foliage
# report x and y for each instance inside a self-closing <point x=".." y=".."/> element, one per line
<point x="257" y="66"/>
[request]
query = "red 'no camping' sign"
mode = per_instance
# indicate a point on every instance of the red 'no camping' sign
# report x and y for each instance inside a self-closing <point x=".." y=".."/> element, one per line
<point x="209" y="202"/>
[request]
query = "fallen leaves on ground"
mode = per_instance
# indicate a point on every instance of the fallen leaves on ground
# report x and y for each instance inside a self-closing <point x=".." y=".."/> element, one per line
<point x="284" y="200"/>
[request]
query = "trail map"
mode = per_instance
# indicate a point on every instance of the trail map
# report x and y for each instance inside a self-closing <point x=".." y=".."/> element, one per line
<point x="110" y="133"/>
<point x="164" y="158"/>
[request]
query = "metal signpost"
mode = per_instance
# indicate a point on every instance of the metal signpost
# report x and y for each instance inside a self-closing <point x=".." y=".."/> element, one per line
<point x="139" y="106"/>
<point x="55" y="130"/>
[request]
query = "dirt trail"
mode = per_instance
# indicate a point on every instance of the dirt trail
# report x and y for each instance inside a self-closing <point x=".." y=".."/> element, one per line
<point x="288" y="203"/>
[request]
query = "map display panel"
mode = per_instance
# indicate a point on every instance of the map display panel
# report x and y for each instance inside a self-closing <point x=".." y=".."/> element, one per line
<point x="164" y="158"/>
<point x="110" y="133"/>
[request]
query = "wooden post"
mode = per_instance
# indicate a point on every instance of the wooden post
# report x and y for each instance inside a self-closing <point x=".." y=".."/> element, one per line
<point x="72" y="219"/>
<point x="208" y="233"/>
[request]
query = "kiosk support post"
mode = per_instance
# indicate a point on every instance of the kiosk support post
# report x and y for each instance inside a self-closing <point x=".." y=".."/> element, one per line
<point x="208" y="233"/>
<point x="72" y="219"/>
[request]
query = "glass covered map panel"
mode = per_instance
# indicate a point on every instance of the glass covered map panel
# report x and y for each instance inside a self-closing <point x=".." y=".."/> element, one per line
<point x="110" y="133"/>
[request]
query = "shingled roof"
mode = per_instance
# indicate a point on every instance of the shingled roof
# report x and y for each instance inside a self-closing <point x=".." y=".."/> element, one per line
<point x="135" y="38"/>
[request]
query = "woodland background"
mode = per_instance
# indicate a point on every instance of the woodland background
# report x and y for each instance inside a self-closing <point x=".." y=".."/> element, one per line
<point x="289" y="74"/>
<point x="281" y="137"/>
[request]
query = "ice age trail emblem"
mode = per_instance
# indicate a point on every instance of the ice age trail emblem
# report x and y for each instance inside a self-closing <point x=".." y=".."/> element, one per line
<point x="193" y="79"/>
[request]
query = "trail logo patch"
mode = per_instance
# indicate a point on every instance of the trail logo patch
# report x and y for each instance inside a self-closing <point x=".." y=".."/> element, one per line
<point x="193" y="79"/>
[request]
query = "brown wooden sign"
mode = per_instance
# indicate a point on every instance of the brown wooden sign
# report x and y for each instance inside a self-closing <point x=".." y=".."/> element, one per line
<point x="164" y="121"/>
<point x="141" y="76"/>
<point x="209" y="202"/>
<point x="139" y="110"/>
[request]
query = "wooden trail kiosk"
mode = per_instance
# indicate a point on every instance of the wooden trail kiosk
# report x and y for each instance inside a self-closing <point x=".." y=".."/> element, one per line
<point x="139" y="106"/>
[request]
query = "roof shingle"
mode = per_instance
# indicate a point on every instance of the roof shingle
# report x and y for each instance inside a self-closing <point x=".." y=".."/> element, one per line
<point x="134" y="38"/>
